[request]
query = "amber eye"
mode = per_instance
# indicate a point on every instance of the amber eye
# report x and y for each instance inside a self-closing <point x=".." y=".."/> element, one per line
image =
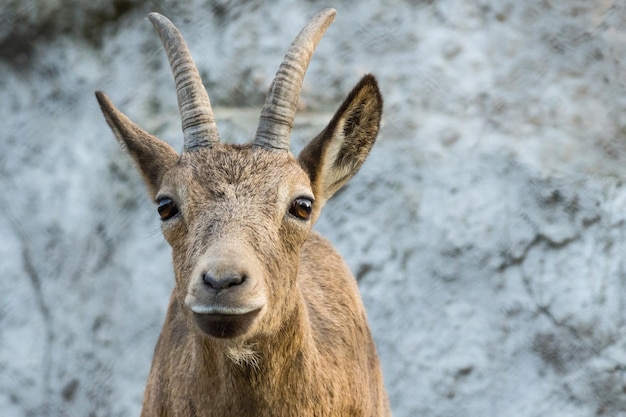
<point x="301" y="208"/>
<point x="166" y="208"/>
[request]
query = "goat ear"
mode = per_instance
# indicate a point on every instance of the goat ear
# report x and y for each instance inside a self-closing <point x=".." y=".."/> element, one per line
<point x="152" y="156"/>
<point x="337" y="153"/>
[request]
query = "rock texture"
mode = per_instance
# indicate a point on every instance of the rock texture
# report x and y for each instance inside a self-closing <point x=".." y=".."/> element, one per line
<point x="487" y="229"/>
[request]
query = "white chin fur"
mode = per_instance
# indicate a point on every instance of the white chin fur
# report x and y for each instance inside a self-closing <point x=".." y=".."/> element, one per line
<point x="216" y="309"/>
<point x="244" y="356"/>
<point x="200" y="309"/>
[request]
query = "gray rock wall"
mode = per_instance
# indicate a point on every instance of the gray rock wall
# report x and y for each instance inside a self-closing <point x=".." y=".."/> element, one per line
<point x="487" y="229"/>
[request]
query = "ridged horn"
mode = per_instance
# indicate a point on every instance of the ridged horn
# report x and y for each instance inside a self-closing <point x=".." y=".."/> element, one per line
<point x="199" y="127"/>
<point x="279" y="110"/>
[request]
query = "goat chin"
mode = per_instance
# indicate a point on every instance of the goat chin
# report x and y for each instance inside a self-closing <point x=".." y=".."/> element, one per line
<point x="226" y="326"/>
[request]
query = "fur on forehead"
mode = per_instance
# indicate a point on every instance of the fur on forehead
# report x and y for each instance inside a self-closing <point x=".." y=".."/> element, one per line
<point x="241" y="165"/>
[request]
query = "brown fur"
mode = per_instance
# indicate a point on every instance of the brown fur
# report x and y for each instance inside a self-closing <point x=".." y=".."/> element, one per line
<point x="299" y="343"/>
<point x="322" y="363"/>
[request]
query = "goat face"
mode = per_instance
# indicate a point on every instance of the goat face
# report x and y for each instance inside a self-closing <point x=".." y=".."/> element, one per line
<point x="235" y="218"/>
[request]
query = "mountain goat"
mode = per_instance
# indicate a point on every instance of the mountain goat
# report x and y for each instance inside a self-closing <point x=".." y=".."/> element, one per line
<point x="265" y="318"/>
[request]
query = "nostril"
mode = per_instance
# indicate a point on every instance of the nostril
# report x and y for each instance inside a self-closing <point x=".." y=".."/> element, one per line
<point x="232" y="281"/>
<point x="209" y="280"/>
<point x="224" y="282"/>
<point x="237" y="280"/>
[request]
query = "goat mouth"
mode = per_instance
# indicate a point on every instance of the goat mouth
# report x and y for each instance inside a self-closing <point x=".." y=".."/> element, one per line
<point x="223" y="324"/>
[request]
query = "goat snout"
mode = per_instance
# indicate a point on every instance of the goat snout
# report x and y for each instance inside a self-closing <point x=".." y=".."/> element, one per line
<point x="225" y="298"/>
<point x="219" y="282"/>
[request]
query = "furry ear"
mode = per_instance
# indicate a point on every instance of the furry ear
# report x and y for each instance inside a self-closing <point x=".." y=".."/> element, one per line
<point x="337" y="153"/>
<point x="152" y="156"/>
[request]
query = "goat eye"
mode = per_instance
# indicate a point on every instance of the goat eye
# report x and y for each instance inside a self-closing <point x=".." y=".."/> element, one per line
<point x="166" y="208"/>
<point x="301" y="208"/>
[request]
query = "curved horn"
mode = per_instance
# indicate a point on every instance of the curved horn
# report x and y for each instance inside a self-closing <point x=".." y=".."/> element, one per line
<point x="199" y="127"/>
<point x="279" y="110"/>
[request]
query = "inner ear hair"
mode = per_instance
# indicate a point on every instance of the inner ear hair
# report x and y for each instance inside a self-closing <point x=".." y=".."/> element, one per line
<point x="338" y="152"/>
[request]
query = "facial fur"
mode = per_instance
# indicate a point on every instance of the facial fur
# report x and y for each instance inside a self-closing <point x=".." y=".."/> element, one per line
<point x="233" y="203"/>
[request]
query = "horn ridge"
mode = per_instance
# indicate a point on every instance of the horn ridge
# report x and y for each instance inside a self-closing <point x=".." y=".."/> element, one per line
<point x="278" y="113"/>
<point x="198" y="122"/>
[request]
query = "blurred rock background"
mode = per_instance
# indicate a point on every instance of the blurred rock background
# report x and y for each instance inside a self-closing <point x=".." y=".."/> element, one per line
<point x="487" y="229"/>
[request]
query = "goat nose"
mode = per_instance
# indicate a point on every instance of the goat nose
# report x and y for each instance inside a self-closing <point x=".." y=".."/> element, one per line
<point x="223" y="282"/>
